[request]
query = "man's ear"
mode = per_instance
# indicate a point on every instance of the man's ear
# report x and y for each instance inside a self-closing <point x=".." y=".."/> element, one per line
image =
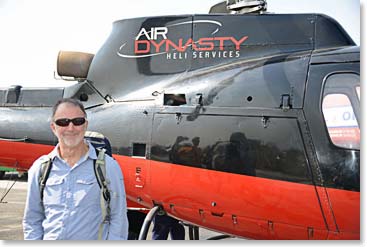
<point x="53" y="128"/>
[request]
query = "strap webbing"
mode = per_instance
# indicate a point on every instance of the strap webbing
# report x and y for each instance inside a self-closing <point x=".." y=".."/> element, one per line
<point x="100" y="170"/>
<point x="45" y="173"/>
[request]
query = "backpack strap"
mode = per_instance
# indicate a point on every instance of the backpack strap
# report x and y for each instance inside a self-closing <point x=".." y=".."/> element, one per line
<point x="100" y="172"/>
<point x="45" y="173"/>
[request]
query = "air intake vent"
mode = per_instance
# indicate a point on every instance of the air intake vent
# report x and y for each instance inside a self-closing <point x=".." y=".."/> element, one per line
<point x="139" y="149"/>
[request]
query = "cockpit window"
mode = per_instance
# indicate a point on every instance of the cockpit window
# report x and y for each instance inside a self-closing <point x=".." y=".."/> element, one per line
<point x="339" y="108"/>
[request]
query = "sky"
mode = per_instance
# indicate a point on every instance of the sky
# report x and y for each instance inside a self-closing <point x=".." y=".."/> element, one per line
<point x="33" y="32"/>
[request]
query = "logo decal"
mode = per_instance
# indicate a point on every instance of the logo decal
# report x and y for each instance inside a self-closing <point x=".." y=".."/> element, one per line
<point x="154" y="42"/>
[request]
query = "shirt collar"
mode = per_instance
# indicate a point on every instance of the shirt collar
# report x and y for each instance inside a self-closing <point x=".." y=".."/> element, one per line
<point x="91" y="152"/>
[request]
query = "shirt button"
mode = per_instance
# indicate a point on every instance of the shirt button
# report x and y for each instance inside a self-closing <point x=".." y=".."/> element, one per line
<point x="68" y="195"/>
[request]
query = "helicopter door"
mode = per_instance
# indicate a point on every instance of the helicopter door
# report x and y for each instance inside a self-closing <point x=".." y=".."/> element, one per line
<point x="334" y="90"/>
<point x="236" y="170"/>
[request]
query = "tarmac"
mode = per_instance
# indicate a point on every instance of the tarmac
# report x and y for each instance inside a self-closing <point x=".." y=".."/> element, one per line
<point x="12" y="205"/>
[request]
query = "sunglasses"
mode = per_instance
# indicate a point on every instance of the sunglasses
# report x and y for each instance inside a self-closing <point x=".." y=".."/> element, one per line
<point x="63" y="122"/>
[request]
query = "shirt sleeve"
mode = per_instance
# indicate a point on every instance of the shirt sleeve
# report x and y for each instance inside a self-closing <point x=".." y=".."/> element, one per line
<point x="119" y="223"/>
<point x="33" y="212"/>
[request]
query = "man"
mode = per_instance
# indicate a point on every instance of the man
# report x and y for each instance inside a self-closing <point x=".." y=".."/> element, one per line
<point x="164" y="224"/>
<point x="71" y="205"/>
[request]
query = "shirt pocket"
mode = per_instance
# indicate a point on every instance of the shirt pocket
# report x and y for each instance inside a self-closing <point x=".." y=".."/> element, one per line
<point x="52" y="194"/>
<point x="87" y="192"/>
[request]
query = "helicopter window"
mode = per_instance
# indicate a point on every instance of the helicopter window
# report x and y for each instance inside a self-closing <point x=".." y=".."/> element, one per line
<point x="12" y="94"/>
<point x="139" y="149"/>
<point x="340" y="119"/>
<point x="174" y="99"/>
<point x="232" y="144"/>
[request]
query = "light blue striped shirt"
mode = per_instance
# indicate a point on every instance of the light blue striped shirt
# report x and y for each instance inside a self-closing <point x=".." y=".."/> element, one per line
<point x="71" y="202"/>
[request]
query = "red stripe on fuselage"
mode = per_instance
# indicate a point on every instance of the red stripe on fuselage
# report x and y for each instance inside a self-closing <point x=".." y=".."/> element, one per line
<point x="21" y="155"/>
<point x="346" y="209"/>
<point x="237" y="204"/>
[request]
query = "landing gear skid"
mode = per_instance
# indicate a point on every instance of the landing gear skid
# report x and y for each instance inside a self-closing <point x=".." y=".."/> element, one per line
<point x="193" y="230"/>
<point x="147" y="221"/>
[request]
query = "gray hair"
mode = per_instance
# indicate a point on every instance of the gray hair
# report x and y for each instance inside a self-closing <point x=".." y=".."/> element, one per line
<point x="70" y="101"/>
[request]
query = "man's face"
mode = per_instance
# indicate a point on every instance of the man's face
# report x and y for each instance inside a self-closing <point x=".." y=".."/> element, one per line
<point x="71" y="135"/>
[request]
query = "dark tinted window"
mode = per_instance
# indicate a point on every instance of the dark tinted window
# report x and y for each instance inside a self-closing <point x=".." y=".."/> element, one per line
<point x="241" y="145"/>
<point x="139" y="149"/>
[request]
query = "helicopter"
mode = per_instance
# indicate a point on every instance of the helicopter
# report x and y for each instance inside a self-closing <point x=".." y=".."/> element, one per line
<point x="239" y="121"/>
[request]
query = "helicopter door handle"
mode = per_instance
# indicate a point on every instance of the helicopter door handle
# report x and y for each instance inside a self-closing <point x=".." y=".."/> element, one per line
<point x="178" y="117"/>
<point x="217" y="214"/>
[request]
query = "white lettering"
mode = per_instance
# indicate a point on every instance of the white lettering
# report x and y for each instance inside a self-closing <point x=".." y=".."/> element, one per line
<point x="154" y="33"/>
<point x="212" y="54"/>
<point x="142" y="32"/>
<point x="159" y="31"/>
